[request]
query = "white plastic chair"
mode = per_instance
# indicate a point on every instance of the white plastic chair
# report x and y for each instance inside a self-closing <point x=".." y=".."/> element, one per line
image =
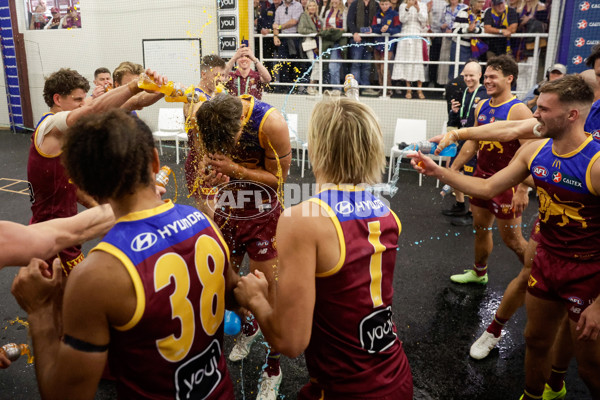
<point x="292" y="123"/>
<point x="408" y="131"/>
<point x="170" y="127"/>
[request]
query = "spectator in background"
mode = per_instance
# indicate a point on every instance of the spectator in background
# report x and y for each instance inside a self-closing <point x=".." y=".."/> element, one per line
<point x="103" y="82"/>
<point x="304" y="4"/>
<point x="286" y="20"/>
<point x="413" y="16"/>
<point x="38" y="16"/>
<point x="467" y="21"/>
<point x="323" y="8"/>
<point x="245" y="80"/>
<point x="533" y="18"/>
<point x="502" y="20"/>
<point x="72" y="20"/>
<point x="360" y="16"/>
<point x="395" y="4"/>
<point x="554" y="72"/>
<point x="264" y="26"/>
<point x="54" y="22"/>
<point x="462" y="115"/>
<point x="335" y="25"/>
<point x="450" y="12"/>
<point x="436" y="10"/>
<point x="310" y="23"/>
<point x="385" y="22"/>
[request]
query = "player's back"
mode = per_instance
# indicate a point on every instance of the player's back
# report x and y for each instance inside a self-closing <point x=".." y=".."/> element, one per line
<point x="353" y="348"/>
<point x="173" y="345"/>
<point x="54" y="195"/>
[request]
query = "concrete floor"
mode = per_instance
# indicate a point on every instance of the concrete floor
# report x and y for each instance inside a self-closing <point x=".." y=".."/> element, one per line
<point x="436" y="319"/>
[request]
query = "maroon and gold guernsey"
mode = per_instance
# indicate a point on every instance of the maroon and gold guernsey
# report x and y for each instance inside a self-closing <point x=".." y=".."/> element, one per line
<point x="54" y="196"/>
<point x="172" y="348"/>
<point x="354" y="349"/>
<point x="492" y="155"/>
<point x="569" y="211"/>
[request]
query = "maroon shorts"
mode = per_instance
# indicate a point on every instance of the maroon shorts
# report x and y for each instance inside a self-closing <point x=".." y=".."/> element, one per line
<point x="500" y="205"/>
<point x="69" y="258"/>
<point x="576" y="284"/>
<point x="248" y="231"/>
<point x="313" y="391"/>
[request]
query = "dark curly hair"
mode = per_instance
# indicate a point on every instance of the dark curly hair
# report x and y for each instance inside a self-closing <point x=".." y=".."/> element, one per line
<point x="63" y="82"/>
<point x="108" y="155"/>
<point x="219" y="120"/>
<point x="505" y="64"/>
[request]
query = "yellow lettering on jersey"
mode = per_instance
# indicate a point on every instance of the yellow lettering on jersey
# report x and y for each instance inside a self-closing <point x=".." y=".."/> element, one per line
<point x="376" y="262"/>
<point x="209" y="253"/>
<point x="173" y="265"/>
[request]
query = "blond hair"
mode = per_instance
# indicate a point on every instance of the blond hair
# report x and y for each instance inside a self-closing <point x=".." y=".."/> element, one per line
<point x="126" y="67"/>
<point x="345" y="142"/>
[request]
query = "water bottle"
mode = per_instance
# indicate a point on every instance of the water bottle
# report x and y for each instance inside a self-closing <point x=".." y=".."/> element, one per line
<point x="162" y="178"/>
<point x="13" y="351"/>
<point x="445" y="190"/>
<point x="351" y="87"/>
<point x="233" y="324"/>
<point x="427" y="147"/>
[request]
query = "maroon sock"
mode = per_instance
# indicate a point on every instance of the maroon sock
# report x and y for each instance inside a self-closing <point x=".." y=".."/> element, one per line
<point x="480" y="269"/>
<point x="272" y="368"/>
<point x="531" y="395"/>
<point x="249" y="326"/>
<point x="557" y="378"/>
<point x="496" y="326"/>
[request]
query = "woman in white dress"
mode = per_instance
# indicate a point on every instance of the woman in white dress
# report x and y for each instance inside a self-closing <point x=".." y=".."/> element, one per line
<point x="413" y="16"/>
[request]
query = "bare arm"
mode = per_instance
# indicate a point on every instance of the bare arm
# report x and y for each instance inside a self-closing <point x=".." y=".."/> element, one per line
<point x="506" y="178"/>
<point x="265" y="75"/>
<point x="467" y="152"/>
<point x="45" y="239"/>
<point x="502" y="131"/>
<point x="286" y="321"/>
<point x="142" y="100"/>
<point x="64" y="369"/>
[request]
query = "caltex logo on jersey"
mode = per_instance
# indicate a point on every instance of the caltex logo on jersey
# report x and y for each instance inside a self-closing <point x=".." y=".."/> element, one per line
<point x="582" y="24"/>
<point x="143" y="241"/>
<point x="481" y="118"/>
<point x="596" y="134"/>
<point x="540" y="171"/>
<point x="580" y="42"/>
<point x="584" y="6"/>
<point x="577" y="60"/>
<point x="556" y="177"/>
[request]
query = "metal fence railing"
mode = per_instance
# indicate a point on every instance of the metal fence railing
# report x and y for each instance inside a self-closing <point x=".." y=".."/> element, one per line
<point x="532" y="62"/>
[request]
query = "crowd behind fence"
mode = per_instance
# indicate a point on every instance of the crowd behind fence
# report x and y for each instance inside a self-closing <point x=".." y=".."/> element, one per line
<point x="301" y="79"/>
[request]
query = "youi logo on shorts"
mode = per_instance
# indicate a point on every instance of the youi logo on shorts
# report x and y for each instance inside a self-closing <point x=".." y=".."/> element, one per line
<point x="540" y="172"/>
<point x="143" y="241"/>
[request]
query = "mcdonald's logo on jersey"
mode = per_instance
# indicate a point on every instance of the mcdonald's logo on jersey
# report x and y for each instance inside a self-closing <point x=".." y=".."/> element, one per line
<point x="556" y="164"/>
